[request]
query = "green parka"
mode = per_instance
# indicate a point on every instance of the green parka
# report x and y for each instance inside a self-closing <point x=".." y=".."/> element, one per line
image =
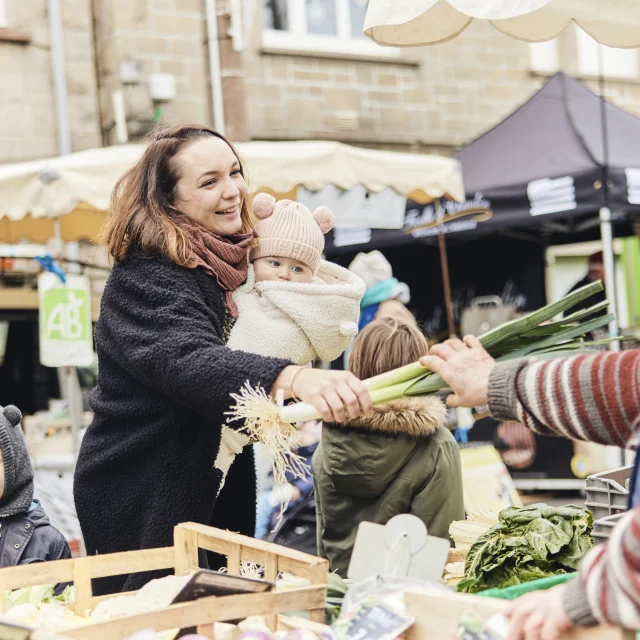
<point x="399" y="461"/>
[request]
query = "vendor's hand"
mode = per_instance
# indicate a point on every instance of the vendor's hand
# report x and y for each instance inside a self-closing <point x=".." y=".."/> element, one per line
<point x="538" y="616"/>
<point x="465" y="367"/>
<point x="295" y="494"/>
<point x="335" y="394"/>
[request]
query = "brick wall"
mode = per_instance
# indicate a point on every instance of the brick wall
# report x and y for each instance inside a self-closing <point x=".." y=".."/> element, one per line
<point x="434" y="97"/>
<point x="164" y="36"/>
<point x="27" y="107"/>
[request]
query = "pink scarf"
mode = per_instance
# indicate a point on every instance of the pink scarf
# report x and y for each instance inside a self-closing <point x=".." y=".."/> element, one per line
<point x="225" y="257"/>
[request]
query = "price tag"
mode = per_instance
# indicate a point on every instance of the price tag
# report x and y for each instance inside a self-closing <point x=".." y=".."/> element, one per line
<point x="373" y="622"/>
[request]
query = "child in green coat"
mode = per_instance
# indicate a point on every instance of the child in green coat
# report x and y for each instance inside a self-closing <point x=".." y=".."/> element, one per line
<point x="401" y="460"/>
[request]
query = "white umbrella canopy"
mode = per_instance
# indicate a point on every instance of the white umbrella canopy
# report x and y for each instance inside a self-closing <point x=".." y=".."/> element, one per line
<point x="57" y="186"/>
<point x="407" y="23"/>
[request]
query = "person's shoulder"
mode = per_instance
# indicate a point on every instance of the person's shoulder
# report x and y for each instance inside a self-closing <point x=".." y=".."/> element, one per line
<point x="138" y="262"/>
<point x="139" y="270"/>
<point x="443" y="442"/>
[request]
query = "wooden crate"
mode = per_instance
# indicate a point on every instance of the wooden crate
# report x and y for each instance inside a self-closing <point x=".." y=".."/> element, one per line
<point x="183" y="558"/>
<point x="437" y="614"/>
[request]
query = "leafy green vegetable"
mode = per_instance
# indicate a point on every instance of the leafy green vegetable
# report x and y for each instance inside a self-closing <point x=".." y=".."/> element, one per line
<point x="530" y="543"/>
<point x="336" y="590"/>
<point x="37" y="595"/>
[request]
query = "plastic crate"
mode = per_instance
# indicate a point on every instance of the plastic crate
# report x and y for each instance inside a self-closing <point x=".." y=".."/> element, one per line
<point x="608" y="492"/>
<point x="603" y="527"/>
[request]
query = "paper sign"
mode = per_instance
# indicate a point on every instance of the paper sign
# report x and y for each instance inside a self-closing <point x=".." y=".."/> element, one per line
<point x="358" y="207"/>
<point x="486" y="481"/>
<point x="551" y="195"/>
<point x="65" y="321"/>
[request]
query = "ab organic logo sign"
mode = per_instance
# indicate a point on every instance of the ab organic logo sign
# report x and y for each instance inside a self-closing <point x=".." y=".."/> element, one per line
<point x="65" y="321"/>
<point x="66" y="314"/>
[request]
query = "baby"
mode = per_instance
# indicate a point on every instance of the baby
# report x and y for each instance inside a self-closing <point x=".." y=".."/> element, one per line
<point x="294" y="305"/>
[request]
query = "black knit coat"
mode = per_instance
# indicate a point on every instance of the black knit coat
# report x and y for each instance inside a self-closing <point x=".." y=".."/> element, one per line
<point x="146" y="461"/>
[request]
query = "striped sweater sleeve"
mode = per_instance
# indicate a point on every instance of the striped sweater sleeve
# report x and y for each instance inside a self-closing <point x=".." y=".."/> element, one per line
<point x="594" y="397"/>
<point x="607" y="588"/>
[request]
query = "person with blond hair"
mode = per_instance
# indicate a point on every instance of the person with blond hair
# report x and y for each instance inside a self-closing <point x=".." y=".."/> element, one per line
<point x="400" y="460"/>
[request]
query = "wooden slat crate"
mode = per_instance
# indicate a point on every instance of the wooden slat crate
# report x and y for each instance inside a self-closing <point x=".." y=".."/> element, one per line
<point x="183" y="558"/>
<point x="437" y="614"/>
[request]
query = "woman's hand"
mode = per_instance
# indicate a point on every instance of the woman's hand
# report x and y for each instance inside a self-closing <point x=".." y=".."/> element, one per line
<point x="465" y="367"/>
<point x="335" y="394"/>
<point x="538" y="616"/>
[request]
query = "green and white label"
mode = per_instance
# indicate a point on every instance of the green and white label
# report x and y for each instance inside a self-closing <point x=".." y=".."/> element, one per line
<point x="65" y="321"/>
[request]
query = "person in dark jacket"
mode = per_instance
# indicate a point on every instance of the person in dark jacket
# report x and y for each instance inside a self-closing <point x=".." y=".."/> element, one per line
<point x="400" y="460"/>
<point x="26" y="534"/>
<point x="179" y="231"/>
<point x="595" y="272"/>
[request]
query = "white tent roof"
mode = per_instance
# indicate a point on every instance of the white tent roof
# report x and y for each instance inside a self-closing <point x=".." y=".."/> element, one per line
<point x="56" y="186"/>
<point x="398" y="23"/>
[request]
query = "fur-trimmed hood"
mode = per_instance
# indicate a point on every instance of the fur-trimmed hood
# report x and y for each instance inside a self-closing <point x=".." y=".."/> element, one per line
<point x="364" y="457"/>
<point x="417" y="417"/>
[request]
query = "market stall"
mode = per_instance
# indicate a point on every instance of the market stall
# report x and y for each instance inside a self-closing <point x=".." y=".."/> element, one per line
<point x="272" y="593"/>
<point x="76" y="188"/>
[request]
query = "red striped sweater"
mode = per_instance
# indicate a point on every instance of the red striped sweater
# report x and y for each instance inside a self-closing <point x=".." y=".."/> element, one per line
<point x="594" y="398"/>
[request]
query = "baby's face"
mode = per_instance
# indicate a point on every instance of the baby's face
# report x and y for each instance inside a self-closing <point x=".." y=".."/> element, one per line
<point x="284" y="269"/>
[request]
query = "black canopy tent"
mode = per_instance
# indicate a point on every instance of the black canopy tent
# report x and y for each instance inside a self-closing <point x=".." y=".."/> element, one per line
<point x="544" y="165"/>
<point x="542" y="171"/>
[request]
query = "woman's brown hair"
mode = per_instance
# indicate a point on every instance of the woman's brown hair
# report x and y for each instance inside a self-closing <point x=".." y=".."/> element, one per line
<point x="141" y="212"/>
<point x="386" y="344"/>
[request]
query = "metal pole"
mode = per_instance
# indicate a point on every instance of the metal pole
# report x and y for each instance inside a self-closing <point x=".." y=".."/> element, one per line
<point x="609" y="271"/>
<point x="71" y="387"/>
<point x="214" y="65"/>
<point x="606" y="232"/>
<point x="120" y="116"/>
<point x="59" y="77"/>
<point x="444" y="264"/>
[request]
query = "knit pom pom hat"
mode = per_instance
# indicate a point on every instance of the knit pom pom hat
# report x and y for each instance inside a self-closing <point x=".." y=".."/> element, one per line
<point x="288" y="229"/>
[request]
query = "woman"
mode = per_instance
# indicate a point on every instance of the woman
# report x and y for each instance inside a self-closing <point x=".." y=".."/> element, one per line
<point x="179" y="232"/>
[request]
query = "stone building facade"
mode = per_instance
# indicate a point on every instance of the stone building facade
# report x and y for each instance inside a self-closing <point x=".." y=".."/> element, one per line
<point x="291" y="69"/>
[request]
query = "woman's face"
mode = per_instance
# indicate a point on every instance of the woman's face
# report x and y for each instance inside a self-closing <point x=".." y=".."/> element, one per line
<point x="211" y="188"/>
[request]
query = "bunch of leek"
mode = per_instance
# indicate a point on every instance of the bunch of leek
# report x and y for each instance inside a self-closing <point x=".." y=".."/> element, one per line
<point x="526" y="336"/>
<point x="536" y="334"/>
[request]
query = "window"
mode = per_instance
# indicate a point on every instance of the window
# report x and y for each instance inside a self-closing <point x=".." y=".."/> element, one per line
<point x="3" y="15"/>
<point x="332" y="26"/>
<point x="616" y="63"/>
<point x="544" y="57"/>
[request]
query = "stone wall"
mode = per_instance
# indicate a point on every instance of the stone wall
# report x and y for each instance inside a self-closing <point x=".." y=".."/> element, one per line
<point x="433" y="98"/>
<point x="430" y="98"/>
<point x="28" y="126"/>
<point x="162" y="36"/>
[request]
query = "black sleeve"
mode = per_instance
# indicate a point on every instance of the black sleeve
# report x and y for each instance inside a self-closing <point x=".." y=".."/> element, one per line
<point x="156" y="325"/>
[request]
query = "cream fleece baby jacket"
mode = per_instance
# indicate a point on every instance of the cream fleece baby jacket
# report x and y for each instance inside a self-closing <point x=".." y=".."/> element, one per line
<point x="293" y="320"/>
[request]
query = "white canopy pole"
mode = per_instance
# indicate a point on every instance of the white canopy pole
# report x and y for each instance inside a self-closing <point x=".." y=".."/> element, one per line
<point x="609" y="274"/>
<point x="606" y="233"/>
<point x="68" y="375"/>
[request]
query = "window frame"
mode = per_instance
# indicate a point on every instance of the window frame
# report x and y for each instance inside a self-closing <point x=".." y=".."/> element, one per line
<point x="544" y="57"/>
<point x="587" y="46"/>
<point x="297" y="39"/>
<point x="4" y="23"/>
